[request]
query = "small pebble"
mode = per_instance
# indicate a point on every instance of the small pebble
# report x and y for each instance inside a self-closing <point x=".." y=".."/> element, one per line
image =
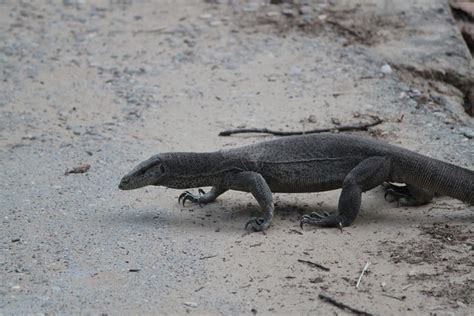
<point x="273" y="13"/>
<point x="386" y="69"/>
<point x="404" y="87"/>
<point x="468" y="133"/>
<point x="205" y="16"/>
<point x="412" y="103"/>
<point x="415" y="93"/>
<point x="215" y="23"/>
<point x="335" y="121"/>
<point x="461" y="304"/>
<point x="288" y="12"/>
<point x="190" y="304"/>
<point x="305" y="9"/>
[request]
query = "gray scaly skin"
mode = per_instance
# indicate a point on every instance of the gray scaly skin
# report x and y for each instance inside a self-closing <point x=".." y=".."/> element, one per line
<point x="310" y="163"/>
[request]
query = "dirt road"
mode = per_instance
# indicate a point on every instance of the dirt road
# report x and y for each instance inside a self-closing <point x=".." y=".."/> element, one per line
<point x="110" y="83"/>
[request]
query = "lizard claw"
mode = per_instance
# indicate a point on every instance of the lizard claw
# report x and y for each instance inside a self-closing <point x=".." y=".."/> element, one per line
<point x="182" y="196"/>
<point x="258" y="224"/>
<point x="317" y="219"/>
<point x="186" y="195"/>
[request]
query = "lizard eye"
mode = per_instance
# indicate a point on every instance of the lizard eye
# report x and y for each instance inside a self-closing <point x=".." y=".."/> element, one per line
<point x="162" y="169"/>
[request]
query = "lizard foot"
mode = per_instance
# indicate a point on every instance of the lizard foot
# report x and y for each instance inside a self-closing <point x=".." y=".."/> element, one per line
<point x="408" y="195"/>
<point x="396" y="194"/>
<point x="258" y="224"/>
<point x="186" y="195"/>
<point x="325" y="220"/>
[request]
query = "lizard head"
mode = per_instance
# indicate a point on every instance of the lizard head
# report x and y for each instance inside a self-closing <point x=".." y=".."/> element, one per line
<point x="148" y="172"/>
<point x="177" y="170"/>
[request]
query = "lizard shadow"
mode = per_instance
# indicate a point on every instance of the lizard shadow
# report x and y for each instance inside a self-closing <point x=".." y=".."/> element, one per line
<point x="212" y="217"/>
<point x="233" y="214"/>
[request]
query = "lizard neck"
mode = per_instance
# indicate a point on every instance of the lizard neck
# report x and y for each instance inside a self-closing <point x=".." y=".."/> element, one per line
<point x="190" y="170"/>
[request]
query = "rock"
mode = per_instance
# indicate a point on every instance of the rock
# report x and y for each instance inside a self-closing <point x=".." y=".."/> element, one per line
<point x="215" y="23"/>
<point x="230" y="65"/>
<point x="251" y="7"/>
<point x="47" y="303"/>
<point x="461" y="304"/>
<point x="467" y="32"/>
<point x="414" y="93"/>
<point x="412" y="103"/>
<point x="404" y="87"/>
<point x="273" y="13"/>
<point x="305" y="9"/>
<point x="469" y="102"/>
<point x="288" y="12"/>
<point x="295" y="71"/>
<point x="73" y="2"/>
<point x="205" y="16"/>
<point x="468" y="133"/>
<point x="386" y="69"/>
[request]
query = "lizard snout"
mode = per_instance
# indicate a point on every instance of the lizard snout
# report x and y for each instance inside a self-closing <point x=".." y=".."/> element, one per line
<point x="124" y="182"/>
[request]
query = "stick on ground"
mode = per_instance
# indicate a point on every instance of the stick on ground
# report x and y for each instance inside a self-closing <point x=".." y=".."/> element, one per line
<point x="314" y="264"/>
<point x="362" y="273"/>
<point x="342" y="128"/>
<point x="342" y="305"/>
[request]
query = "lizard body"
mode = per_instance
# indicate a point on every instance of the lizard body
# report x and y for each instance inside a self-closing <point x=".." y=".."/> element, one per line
<point x="309" y="163"/>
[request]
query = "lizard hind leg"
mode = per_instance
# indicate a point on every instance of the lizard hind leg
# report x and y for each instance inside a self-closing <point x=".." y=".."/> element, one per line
<point x="368" y="174"/>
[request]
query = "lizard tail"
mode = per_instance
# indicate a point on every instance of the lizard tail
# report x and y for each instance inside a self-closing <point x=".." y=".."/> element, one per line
<point x="438" y="176"/>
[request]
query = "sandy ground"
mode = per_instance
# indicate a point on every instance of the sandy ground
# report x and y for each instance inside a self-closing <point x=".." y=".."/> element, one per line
<point x="110" y="83"/>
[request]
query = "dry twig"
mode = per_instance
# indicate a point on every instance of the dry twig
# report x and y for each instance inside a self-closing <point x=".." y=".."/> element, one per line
<point x="314" y="264"/>
<point x="362" y="273"/>
<point x="342" y="128"/>
<point x="342" y="305"/>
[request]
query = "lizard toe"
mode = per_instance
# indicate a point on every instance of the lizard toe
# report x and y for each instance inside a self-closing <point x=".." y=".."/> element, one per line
<point x="316" y="215"/>
<point x="324" y="221"/>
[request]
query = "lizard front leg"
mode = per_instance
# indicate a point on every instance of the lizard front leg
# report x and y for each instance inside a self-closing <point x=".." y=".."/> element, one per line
<point x="203" y="197"/>
<point x="254" y="183"/>
<point x="368" y="174"/>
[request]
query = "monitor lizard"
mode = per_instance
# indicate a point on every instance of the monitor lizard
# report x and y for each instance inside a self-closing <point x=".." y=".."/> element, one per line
<point x="308" y="163"/>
